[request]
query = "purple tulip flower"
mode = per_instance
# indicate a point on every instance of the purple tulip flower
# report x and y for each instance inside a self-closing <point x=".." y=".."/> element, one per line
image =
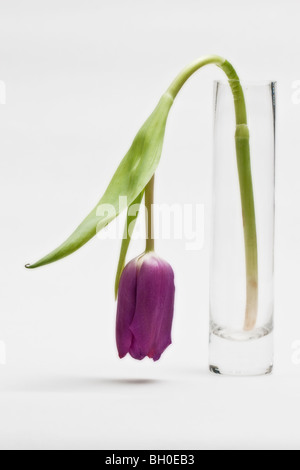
<point x="145" y="307"/>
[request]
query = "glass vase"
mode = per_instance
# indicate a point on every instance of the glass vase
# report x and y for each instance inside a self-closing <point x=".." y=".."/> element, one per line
<point x="234" y="348"/>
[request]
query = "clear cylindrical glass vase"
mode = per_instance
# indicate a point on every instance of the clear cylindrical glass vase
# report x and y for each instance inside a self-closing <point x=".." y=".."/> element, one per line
<point x="236" y="349"/>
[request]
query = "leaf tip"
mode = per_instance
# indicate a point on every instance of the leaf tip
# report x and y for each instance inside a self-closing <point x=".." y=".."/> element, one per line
<point x="116" y="289"/>
<point x="32" y="266"/>
<point x="28" y="266"/>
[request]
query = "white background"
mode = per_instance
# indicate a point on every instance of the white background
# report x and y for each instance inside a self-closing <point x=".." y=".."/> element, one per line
<point x="81" y="78"/>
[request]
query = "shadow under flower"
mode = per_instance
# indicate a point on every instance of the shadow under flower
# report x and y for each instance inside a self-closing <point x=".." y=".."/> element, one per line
<point x="74" y="384"/>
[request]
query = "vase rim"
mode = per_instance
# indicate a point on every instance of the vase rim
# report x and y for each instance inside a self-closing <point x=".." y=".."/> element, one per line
<point x="247" y="83"/>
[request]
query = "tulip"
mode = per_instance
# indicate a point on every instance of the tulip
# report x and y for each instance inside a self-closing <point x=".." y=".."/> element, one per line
<point x="139" y="166"/>
<point x="145" y="307"/>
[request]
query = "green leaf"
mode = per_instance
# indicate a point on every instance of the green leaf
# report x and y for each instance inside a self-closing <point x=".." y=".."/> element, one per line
<point x="134" y="172"/>
<point x="132" y="215"/>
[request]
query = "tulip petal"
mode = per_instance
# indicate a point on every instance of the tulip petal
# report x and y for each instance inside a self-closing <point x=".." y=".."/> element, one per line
<point x="145" y="307"/>
<point x="126" y="307"/>
<point x="163" y="335"/>
<point x="148" y="307"/>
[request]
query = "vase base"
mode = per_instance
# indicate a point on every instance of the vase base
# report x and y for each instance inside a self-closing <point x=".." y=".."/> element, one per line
<point x="217" y="371"/>
<point x="252" y="357"/>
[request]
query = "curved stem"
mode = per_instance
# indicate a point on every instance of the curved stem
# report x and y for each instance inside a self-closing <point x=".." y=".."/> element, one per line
<point x="244" y="172"/>
<point x="149" y="199"/>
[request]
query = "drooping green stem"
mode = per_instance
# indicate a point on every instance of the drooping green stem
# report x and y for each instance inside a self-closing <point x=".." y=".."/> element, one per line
<point x="149" y="199"/>
<point x="244" y="172"/>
